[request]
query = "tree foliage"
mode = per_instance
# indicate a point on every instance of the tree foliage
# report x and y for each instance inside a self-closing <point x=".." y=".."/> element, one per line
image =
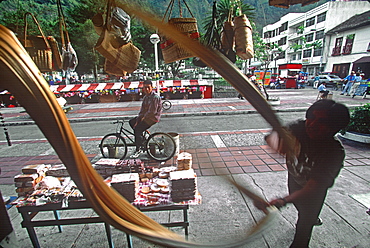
<point x="78" y="14"/>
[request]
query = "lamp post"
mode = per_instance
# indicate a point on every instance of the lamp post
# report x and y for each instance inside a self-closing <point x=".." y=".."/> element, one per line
<point x="154" y="39"/>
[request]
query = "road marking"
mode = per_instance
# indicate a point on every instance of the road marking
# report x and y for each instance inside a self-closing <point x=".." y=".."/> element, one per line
<point x="232" y="107"/>
<point x="218" y="141"/>
<point x="48" y="152"/>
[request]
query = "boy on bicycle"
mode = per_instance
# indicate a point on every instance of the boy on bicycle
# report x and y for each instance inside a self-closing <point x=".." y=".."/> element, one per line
<point x="150" y="113"/>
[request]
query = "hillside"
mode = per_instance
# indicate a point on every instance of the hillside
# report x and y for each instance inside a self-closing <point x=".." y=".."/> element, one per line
<point x="265" y="14"/>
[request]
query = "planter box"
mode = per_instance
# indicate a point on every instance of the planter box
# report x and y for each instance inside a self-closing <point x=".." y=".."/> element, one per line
<point x="362" y="138"/>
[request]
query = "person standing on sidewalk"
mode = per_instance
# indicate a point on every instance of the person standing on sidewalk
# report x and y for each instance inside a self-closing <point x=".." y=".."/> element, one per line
<point x="350" y="79"/>
<point x="313" y="171"/>
<point x="355" y="85"/>
<point x="150" y="113"/>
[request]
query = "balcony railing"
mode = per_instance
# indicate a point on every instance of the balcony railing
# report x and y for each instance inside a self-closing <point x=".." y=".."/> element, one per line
<point x="347" y="49"/>
<point x="336" y="51"/>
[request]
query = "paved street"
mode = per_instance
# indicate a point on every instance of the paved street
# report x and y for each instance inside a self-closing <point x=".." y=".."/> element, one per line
<point x="225" y="213"/>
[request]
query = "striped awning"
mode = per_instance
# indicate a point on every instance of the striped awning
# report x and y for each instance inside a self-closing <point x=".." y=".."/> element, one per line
<point x="126" y="85"/>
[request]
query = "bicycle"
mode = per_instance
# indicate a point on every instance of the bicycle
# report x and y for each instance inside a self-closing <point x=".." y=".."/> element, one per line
<point x="166" y="104"/>
<point x="159" y="146"/>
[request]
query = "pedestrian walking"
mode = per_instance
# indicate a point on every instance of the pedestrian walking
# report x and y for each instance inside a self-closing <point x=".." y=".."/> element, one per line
<point x="349" y="82"/>
<point x="318" y="162"/>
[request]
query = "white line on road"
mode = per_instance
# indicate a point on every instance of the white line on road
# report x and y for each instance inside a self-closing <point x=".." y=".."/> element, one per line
<point x="232" y="107"/>
<point x="218" y="141"/>
<point x="48" y="152"/>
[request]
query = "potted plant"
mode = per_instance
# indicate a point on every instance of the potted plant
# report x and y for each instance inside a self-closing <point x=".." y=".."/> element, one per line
<point x="358" y="128"/>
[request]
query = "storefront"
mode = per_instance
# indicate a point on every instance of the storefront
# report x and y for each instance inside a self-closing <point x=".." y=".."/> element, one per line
<point x="362" y="65"/>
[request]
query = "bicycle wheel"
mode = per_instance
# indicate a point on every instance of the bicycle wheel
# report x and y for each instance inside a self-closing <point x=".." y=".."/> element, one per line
<point x="166" y="105"/>
<point x="113" y="146"/>
<point x="160" y="146"/>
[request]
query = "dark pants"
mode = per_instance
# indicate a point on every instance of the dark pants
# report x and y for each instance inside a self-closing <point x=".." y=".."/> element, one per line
<point x="139" y="131"/>
<point x="324" y="93"/>
<point x="308" y="211"/>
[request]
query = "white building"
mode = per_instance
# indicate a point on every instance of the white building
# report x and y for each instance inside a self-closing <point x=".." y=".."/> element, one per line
<point x="349" y="46"/>
<point x="303" y="37"/>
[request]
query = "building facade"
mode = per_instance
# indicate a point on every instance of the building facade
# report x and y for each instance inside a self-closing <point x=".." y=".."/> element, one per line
<point x="309" y="38"/>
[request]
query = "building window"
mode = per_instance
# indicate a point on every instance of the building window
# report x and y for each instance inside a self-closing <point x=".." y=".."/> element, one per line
<point x="338" y="46"/>
<point x="283" y="27"/>
<point x="321" y="17"/>
<point x="307" y="53"/>
<point x="282" y="41"/>
<point x="299" y="56"/>
<point x="347" y="49"/>
<point x="309" y="37"/>
<point x="267" y="34"/>
<point x="317" y="52"/>
<point x="281" y="55"/>
<point x="319" y="35"/>
<point x="310" y="22"/>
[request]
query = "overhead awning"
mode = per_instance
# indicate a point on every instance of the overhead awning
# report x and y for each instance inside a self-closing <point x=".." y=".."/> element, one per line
<point x="290" y="66"/>
<point x="127" y="85"/>
<point x="365" y="59"/>
<point x="86" y="87"/>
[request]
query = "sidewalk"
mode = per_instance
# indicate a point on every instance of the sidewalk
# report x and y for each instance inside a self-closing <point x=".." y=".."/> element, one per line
<point x="225" y="213"/>
<point x="290" y="99"/>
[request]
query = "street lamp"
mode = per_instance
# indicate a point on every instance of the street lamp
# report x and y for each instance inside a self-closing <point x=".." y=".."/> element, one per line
<point x="154" y="39"/>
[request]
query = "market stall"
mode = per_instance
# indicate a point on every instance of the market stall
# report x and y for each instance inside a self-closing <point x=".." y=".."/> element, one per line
<point x="148" y="186"/>
<point x="132" y="91"/>
<point x="290" y="74"/>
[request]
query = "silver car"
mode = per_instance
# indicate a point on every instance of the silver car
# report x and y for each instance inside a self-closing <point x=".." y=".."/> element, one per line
<point x="331" y="81"/>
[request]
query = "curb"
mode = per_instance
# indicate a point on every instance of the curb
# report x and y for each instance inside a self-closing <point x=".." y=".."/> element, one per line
<point x="113" y="118"/>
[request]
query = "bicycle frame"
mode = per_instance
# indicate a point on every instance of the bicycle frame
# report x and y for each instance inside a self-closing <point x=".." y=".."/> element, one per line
<point x="125" y="133"/>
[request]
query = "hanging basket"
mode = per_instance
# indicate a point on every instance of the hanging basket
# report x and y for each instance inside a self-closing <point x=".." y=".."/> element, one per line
<point x="111" y="68"/>
<point x="188" y="26"/>
<point x="126" y="58"/>
<point x="172" y="51"/>
<point x="38" y="46"/>
<point x="243" y="37"/>
<point x="57" y="57"/>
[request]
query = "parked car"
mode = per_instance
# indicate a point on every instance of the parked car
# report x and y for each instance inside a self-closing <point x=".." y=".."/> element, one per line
<point x="331" y="80"/>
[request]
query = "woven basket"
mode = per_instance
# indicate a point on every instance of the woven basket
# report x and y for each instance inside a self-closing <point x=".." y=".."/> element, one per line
<point x="227" y="36"/>
<point x="38" y="47"/>
<point x="172" y="51"/>
<point x="57" y="57"/>
<point x="111" y="68"/>
<point x="243" y="37"/>
<point x="125" y="58"/>
<point x="98" y="22"/>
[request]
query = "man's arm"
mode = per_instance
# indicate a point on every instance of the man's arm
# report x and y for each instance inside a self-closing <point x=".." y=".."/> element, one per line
<point x="308" y="191"/>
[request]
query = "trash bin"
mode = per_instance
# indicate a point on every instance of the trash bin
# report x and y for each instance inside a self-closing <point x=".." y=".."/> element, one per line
<point x="176" y="137"/>
<point x="112" y="151"/>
